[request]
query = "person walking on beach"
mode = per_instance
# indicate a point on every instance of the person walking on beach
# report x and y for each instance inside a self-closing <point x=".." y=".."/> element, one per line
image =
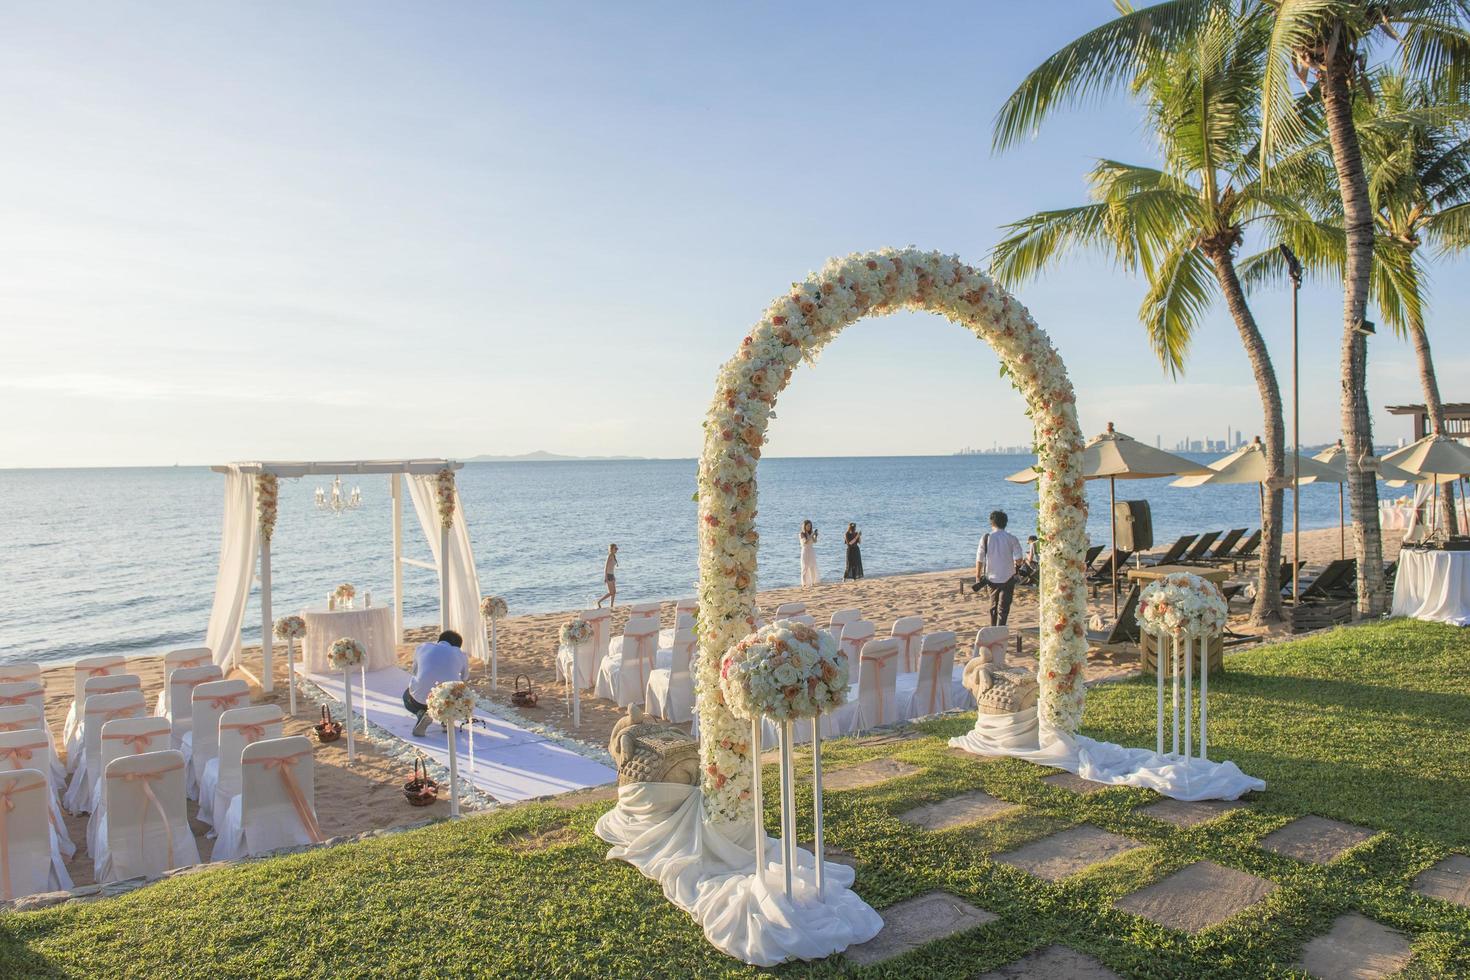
<point x="854" y="540"/>
<point x="434" y="663"/>
<point x="995" y="565"/>
<point x="610" y="578"/>
<point x="809" y="573"/>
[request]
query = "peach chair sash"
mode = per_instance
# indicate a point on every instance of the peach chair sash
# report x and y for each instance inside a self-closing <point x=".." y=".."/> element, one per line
<point x="7" y="804"/>
<point x="224" y="701"/>
<point x="22" y="753"/>
<point x="938" y="654"/>
<point x="853" y="645"/>
<point x="139" y="741"/>
<point x="645" y="648"/>
<point x="286" y="766"/>
<point x="879" y="661"/>
<point x="146" y="778"/>
<point x="33" y="689"/>
<point x="995" y="647"/>
<point x="250" y="731"/>
<point x="906" y="637"/>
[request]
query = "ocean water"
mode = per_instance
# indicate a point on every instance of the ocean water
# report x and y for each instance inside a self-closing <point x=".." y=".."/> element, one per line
<point x="123" y="560"/>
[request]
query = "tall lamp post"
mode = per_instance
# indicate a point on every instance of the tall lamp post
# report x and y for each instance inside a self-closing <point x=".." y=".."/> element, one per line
<point x="1294" y="269"/>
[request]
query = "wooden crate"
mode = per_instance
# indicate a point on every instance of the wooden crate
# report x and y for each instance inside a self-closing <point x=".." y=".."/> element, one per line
<point x="1146" y="657"/>
<point x="1310" y="616"/>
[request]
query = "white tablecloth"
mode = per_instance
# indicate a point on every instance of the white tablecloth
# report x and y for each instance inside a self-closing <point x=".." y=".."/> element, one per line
<point x="1433" y="585"/>
<point x="372" y="627"/>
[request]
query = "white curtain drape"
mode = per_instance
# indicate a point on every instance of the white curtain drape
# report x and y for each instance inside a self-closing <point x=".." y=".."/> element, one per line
<point x="239" y="547"/>
<point x="463" y="614"/>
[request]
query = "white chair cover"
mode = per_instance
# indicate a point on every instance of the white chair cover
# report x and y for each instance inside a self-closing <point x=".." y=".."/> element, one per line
<point x="932" y="693"/>
<point x="851" y="640"/>
<point x="82" y="671"/>
<point x="30" y="858"/>
<point x="125" y="736"/>
<point x="29" y="748"/>
<point x="802" y="618"/>
<point x="202" y="739"/>
<point x="276" y="805"/>
<point x="990" y="643"/>
<point x="238" y="727"/>
<point x="147" y="826"/>
<point x="788" y="609"/>
<point x="644" y="609"/>
<point x="20" y="670"/>
<point x="20" y="717"/>
<point x="877" y="699"/>
<point x="33" y="693"/>
<point x="601" y="622"/>
<point x="687" y="606"/>
<point x="841" y="618"/>
<point x="172" y="661"/>
<point x="99" y="710"/>
<point x="909" y="631"/>
<point x="627" y="676"/>
<point x="610" y="667"/>
<point x="181" y="699"/>
<point x="670" y="693"/>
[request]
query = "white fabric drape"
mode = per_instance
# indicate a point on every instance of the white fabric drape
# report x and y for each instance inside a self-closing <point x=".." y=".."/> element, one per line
<point x="1433" y="586"/>
<point x="239" y="547"/>
<point x="463" y="614"/>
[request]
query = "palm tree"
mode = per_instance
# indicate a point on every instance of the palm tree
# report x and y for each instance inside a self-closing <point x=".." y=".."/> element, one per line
<point x="1416" y="150"/>
<point x="1180" y="225"/>
<point x="1323" y="43"/>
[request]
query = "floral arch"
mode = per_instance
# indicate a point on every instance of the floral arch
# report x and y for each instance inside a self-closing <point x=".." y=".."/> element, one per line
<point x="795" y="327"/>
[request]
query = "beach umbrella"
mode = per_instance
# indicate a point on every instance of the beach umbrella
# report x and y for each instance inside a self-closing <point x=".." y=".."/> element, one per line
<point x="1114" y="456"/>
<point x="1336" y="458"/>
<point x="1438" y="457"/>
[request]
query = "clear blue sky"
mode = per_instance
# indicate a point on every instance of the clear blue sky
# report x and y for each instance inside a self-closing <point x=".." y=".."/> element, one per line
<point x="239" y="230"/>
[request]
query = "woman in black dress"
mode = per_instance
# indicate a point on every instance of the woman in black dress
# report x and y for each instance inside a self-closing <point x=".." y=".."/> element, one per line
<point x="854" y="539"/>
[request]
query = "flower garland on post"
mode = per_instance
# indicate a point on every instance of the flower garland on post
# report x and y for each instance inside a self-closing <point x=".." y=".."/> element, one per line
<point x="267" y="500"/>
<point x="795" y="328"/>
<point x="451" y="704"/>
<point x="444" y="494"/>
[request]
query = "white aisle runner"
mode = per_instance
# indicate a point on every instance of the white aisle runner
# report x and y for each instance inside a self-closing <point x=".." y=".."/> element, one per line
<point x="511" y="763"/>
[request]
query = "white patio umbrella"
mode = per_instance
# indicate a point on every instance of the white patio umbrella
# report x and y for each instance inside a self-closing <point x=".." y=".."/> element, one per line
<point x="1336" y="457"/>
<point x="1438" y="457"/>
<point x="1114" y="456"/>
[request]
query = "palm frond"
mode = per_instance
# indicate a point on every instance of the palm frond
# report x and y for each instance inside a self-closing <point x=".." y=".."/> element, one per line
<point x="1176" y="301"/>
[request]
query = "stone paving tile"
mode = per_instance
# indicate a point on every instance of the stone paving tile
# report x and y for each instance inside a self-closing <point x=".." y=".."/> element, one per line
<point x="1448" y="880"/>
<point x="865" y="774"/>
<point x="959" y="753"/>
<point x="1315" y="840"/>
<point x="1074" y="783"/>
<point x="1183" y="813"/>
<point x="1196" y="897"/>
<point x="916" y="921"/>
<point x="1053" y="963"/>
<point x="1068" y="852"/>
<point x="1356" y="948"/>
<point x="957" y="811"/>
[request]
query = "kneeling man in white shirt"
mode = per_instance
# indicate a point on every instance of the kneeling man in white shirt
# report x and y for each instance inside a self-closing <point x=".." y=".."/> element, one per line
<point x="434" y="664"/>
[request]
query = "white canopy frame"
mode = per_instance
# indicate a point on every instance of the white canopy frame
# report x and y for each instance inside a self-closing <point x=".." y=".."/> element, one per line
<point x="244" y="542"/>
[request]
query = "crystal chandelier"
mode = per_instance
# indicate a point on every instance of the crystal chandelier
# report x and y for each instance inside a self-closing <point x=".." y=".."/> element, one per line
<point x="337" y="502"/>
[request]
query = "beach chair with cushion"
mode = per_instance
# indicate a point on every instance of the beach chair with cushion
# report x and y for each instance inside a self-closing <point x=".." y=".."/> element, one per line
<point x="30" y="859"/>
<point x="624" y="678"/>
<point x="934" y="688"/>
<point x="854" y="635"/>
<point x="28" y="748"/>
<point x="82" y="671"/>
<point x="15" y="673"/>
<point x="1201" y="547"/>
<point x="33" y="693"/>
<point x="238" y="727"/>
<point x="172" y="661"/>
<point x="909" y="632"/>
<point x="125" y="736"/>
<point x="99" y="710"/>
<point x="841" y="618"/>
<point x="1174" y="553"/>
<point x="181" y="700"/>
<point x="877" y="694"/>
<point x="1091" y="556"/>
<point x="788" y="609"/>
<point x="1125" y="630"/>
<point x="147" y="826"/>
<point x="670" y="692"/>
<point x="277" y="802"/>
<point x="201" y="741"/>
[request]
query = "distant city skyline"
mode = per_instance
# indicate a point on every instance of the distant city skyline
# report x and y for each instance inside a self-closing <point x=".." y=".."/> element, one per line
<point x="327" y="231"/>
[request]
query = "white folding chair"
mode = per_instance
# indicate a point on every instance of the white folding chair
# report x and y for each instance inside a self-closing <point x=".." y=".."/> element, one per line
<point x="854" y="635"/>
<point x="841" y="618"/>
<point x="30" y="858"/>
<point x="936" y="676"/>
<point x="687" y="606"/>
<point x="879" y="664"/>
<point x="276" y="806"/>
<point x="13" y="673"/>
<point x="181" y="699"/>
<point x="99" y="710"/>
<point x="82" y="670"/>
<point x="33" y="693"/>
<point x="670" y="691"/>
<point x="644" y="609"/>
<point x="990" y="643"/>
<point x="125" y="736"/>
<point x="788" y="609"/>
<point x="202" y="739"/>
<point x="610" y="667"/>
<point x="909" y="632"/>
<point x="174" y="660"/>
<point x="640" y="647"/>
<point x="21" y="717"/>
<point x="601" y="622"/>
<point x="29" y="748"/>
<point x="239" y="727"/>
<point x="147" y="827"/>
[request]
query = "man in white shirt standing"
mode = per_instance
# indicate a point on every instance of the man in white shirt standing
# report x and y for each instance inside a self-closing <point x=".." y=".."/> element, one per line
<point x="995" y="565"/>
<point x="433" y="664"/>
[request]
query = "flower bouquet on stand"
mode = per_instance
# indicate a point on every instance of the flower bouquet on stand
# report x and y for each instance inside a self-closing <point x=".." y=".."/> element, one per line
<point x="345" y="654"/>
<point x="1188" y="611"/>
<point x="572" y="641"/>
<point x="493" y="607"/>
<point x="452" y="704"/>
<point x="290" y="629"/>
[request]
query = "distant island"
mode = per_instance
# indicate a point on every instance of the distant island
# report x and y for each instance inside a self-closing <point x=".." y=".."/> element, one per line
<point x="542" y="456"/>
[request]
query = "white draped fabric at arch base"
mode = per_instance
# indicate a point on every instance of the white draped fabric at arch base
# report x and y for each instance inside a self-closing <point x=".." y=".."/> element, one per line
<point x="246" y="541"/>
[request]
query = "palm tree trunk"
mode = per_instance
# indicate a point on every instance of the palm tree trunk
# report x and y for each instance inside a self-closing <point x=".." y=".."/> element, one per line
<point x="1267" y="606"/>
<point x="1433" y="407"/>
<point x="1357" y="425"/>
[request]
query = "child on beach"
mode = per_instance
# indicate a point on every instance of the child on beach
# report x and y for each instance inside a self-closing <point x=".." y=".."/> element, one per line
<point x="609" y="577"/>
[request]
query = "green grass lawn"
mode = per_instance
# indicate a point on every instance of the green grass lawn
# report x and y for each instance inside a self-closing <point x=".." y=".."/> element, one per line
<point x="1369" y="725"/>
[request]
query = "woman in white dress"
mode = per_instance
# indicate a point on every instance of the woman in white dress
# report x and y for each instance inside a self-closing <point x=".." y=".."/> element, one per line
<point x="809" y="573"/>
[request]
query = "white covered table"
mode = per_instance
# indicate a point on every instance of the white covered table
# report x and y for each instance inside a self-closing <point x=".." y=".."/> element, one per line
<point x="372" y="627"/>
<point x="1433" y="585"/>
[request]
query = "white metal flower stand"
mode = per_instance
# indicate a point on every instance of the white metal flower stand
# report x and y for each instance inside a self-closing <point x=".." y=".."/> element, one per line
<point x="786" y="740"/>
<point x="1185" y="651"/>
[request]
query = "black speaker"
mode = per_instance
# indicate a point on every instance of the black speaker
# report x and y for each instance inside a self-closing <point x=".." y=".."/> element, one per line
<point x="1135" y="525"/>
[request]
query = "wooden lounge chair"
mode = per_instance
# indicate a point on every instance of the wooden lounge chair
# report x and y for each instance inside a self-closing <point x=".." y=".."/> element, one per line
<point x="1222" y="549"/>
<point x="1176" y="551"/>
<point x="1333" y="582"/>
<point x="1104" y="572"/>
<point x="1091" y="555"/>
<point x="1201" y="547"/>
<point x="1125" y="630"/>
